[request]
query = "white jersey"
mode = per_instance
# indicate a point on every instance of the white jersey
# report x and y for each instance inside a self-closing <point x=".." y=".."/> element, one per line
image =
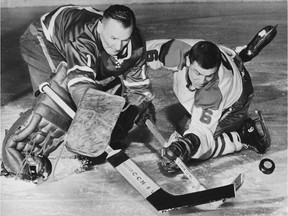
<point x="206" y="105"/>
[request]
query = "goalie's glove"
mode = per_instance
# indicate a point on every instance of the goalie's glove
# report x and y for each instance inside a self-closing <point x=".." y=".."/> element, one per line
<point x="39" y="131"/>
<point x="184" y="148"/>
<point x="79" y="90"/>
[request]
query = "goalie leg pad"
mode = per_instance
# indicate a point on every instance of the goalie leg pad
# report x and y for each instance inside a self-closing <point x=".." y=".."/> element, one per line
<point x="123" y="126"/>
<point x="39" y="131"/>
<point x="32" y="134"/>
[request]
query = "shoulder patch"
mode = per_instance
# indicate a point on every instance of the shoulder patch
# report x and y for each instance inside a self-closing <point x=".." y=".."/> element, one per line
<point x="209" y="97"/>
<point x="173" y="53"/>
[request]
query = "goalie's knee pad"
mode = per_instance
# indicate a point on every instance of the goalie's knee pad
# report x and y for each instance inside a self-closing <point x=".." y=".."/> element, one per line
<point x="254" y="134"/>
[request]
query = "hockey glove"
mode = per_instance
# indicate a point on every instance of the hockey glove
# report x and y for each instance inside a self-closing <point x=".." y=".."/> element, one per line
<point x="144" y="105"/>
<point x="148" y="112"/>
<point x="184" y="148"/>
<point x="39" y="131"/>
<point x="79" y="90"/>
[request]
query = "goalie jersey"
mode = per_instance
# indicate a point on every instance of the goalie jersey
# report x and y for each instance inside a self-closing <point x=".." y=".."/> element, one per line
<point x="73" y="31"/>
<point x="207" y="105"/>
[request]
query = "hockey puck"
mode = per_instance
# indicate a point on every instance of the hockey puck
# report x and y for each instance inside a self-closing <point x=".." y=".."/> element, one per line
<point x="266" y="166"/>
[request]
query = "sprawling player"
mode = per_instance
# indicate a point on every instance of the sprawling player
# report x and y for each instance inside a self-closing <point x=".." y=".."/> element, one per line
<point x="214" y="87"/>
<point x="76" y="48"/>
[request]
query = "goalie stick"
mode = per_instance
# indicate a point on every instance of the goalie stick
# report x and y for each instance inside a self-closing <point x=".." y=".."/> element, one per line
<point x="155" y="195"/>
<point x="196" y="184"/>
<point x="149" y="189"/>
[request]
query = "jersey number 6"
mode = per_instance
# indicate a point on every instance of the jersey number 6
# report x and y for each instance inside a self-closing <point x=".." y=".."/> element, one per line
<point x="206" y="116"/>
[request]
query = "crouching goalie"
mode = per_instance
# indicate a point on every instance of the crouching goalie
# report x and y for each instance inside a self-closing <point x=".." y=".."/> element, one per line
<point x="212" y="84"/>
<point x="78" y="49"/>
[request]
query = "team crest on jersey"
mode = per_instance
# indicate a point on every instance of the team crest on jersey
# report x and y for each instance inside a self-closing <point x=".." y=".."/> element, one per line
<point x="125" y="54"/>
<point x="118" y="62"/>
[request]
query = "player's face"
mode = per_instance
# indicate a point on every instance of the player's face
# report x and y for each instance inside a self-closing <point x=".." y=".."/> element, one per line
<point x="200" y="76"/>
<point x="114" y="35"/>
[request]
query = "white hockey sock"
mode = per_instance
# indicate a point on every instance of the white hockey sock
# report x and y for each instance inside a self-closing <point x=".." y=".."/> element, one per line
<point x="227" y="143"/>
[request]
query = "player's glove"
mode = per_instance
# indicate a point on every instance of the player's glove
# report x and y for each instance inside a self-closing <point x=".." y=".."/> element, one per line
<point x="147" y="111"/>
<point x="184" y="148"/>
<point x="143" y="105"/>
<point x="39" y="131"/>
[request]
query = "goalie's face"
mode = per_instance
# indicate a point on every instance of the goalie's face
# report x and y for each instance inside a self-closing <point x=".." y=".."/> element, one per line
<point x="114" y="35"/>
<point x="199" y="76"/>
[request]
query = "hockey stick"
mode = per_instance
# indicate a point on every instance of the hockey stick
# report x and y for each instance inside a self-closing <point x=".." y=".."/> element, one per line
<point x="196" y="184"/>
<point x="148" y="188"/>
<point x="155" y="195"/>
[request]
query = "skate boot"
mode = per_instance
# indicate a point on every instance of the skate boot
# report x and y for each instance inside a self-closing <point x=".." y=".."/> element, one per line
<point x="254" y="134"/>
<point x="260" y="40"/>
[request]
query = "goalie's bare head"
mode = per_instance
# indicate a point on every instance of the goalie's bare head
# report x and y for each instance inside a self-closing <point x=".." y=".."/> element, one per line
<point x="204" y="59"/>
<point x="115" y="28"/>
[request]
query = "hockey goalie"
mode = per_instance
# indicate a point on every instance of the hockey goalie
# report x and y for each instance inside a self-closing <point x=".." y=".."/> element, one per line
<point x="73" y="49"/>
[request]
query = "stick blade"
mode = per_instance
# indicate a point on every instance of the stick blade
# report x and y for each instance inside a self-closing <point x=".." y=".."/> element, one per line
<point x="238" y="181"/>
<point x="164" y="201"/>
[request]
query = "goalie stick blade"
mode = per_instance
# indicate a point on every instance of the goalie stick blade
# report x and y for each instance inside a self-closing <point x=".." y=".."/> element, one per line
<point x="164" y="201"/>
<point x="238" y="181"/>
<point x="154" y="194"/>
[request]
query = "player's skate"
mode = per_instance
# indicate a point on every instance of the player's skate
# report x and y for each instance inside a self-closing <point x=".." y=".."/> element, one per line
<point x="254" y="134"/>
<point x="260" y="40"/>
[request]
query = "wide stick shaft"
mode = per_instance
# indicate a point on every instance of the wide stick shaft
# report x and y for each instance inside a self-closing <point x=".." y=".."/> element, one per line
<point x="45" y="88"/>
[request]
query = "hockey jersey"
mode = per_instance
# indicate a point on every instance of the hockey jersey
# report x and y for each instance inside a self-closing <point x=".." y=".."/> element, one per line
<point x="205" y="105"/>
<point x="73" y="31"/>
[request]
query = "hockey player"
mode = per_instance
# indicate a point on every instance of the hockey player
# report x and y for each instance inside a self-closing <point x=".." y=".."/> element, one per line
<point x="215" y="88"/>
<point x="76" y="48"/>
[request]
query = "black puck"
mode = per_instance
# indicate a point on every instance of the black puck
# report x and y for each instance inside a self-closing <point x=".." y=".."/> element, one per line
<point x="266" y="166"/>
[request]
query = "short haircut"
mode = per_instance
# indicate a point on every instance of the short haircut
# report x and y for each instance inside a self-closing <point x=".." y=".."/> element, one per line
<point x="206" y="54"/>
<point x="122" y="14"/>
